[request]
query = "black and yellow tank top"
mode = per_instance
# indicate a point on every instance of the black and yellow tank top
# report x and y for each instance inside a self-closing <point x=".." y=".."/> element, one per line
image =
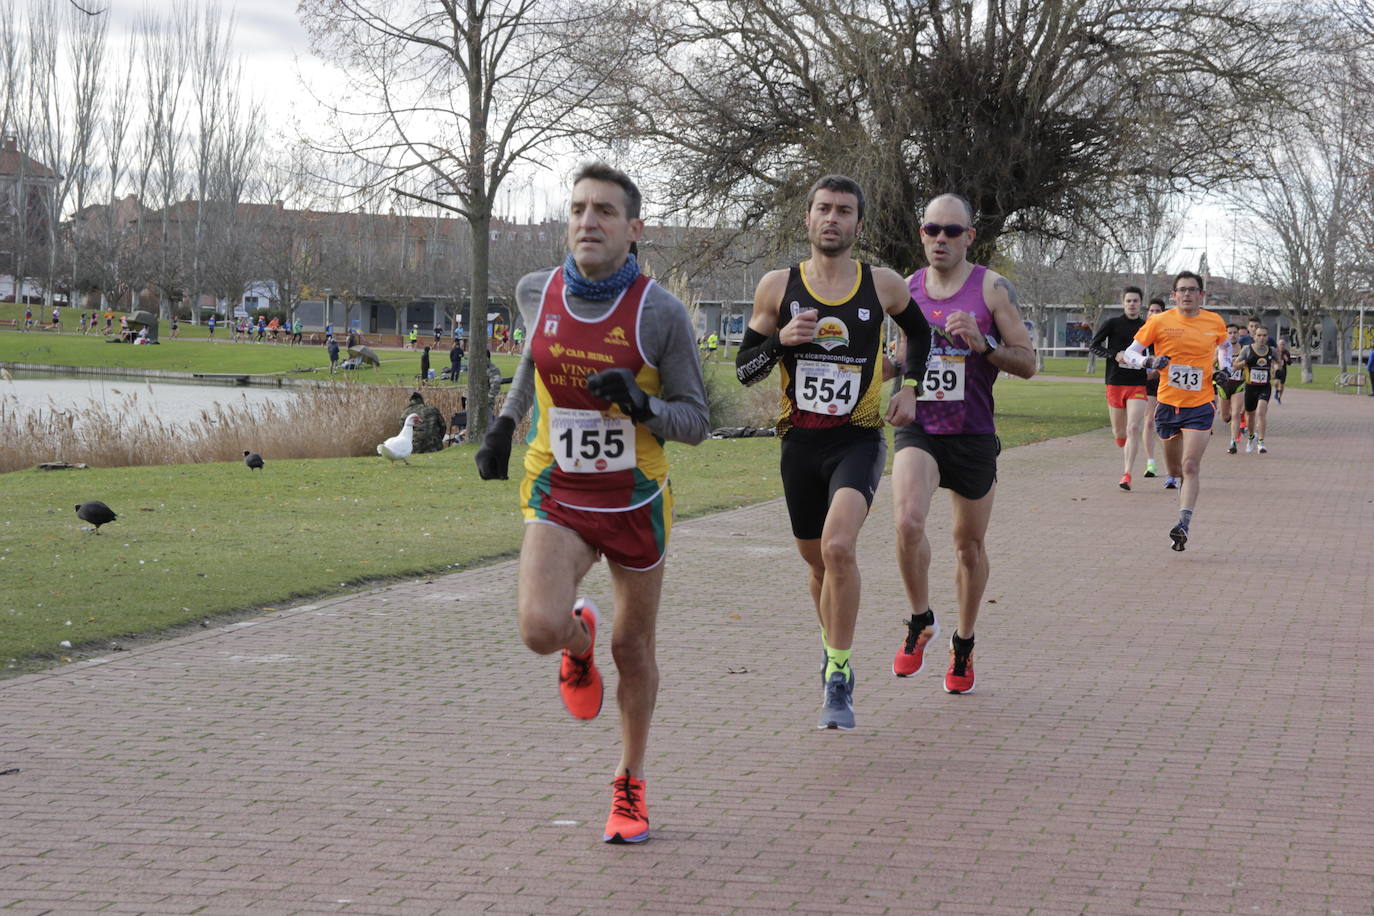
<point x="833" y="380"/>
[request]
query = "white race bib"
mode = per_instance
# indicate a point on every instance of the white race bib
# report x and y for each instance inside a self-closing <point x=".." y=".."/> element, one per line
<point x="827" y="388"/>
<point x="1185" y="378"/>
<point x="591" y="442"/>
<point x="1259" y="376"/>
<point x="1237" y="373"/>
<point x="944" y="379"/>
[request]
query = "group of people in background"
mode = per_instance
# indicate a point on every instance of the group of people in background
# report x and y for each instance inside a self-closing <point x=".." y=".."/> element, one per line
<point x="1177" y="369"/>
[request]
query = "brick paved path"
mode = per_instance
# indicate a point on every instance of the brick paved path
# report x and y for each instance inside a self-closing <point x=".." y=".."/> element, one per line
<point x="1149" y="734"/>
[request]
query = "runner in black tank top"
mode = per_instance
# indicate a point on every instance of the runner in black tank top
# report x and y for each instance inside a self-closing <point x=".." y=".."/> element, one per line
<point x="833" y="380"/>
<point x="822" y="320"/>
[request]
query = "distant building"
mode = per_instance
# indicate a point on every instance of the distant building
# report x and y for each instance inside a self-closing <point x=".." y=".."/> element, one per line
<point x="28" y="195"/>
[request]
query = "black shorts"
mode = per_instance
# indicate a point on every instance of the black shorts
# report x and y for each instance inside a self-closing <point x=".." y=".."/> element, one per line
<point x="1281" y="374"/>
<point x="968" y="464"/>
<point x="816" y="463"/>
<point x="1254" y="394"/>
<point x="1227" y="389"/>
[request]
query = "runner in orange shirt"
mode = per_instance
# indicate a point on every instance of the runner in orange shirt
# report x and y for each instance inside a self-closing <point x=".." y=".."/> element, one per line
<point x="1184" y="339"/>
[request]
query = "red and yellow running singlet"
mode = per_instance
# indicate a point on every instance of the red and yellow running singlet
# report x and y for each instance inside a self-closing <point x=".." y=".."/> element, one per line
<point x="583" y="452"/>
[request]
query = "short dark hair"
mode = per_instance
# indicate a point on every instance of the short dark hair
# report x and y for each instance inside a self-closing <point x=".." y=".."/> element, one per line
<point x="600" y="171"/>
<point x="1261" y="328"/>
<point x="840" y="184"/>
<point x="1189" y="275"/>
<point x="1157" y="300"/>
<point x="1133" y="289"/>
<point x="1233" y="325"/>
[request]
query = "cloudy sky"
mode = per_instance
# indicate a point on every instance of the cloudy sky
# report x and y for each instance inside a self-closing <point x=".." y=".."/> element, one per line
<point x="275" y="51"/>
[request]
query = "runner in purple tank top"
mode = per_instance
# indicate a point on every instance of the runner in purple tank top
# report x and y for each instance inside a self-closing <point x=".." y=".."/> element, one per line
<point x="946" y="436"/>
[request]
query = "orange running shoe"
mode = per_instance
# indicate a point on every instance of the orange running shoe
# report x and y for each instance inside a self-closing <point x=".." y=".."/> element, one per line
<point x="911" y="657"/>
<point x="959" y="677"/>
<point x="1125" y="483"/>
<point x="629" y="820"/>
<point x="579" y="682"/>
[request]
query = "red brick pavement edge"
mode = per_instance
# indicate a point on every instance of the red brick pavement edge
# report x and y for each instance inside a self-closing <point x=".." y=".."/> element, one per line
<point x="1153" y="732"/>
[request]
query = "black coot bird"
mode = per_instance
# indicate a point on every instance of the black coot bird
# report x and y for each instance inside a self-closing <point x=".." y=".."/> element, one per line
<point x="253" y="460"/>
<point x="95" y="512"/>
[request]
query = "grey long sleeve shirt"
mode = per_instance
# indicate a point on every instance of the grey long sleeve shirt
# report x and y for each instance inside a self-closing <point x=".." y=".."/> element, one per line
<point x="667" y="341"/>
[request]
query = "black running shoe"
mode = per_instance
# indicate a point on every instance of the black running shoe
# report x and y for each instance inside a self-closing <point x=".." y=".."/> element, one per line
<point x="1180" y="536"/>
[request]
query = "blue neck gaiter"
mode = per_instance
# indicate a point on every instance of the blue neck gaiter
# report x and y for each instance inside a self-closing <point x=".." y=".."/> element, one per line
<point x="599" y="290"/>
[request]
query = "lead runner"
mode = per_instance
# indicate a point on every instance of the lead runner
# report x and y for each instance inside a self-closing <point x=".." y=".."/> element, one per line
<point x="611" y="367"/>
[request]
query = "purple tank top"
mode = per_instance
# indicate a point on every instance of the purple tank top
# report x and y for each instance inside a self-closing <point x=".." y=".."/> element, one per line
<point x="958" y="400"/>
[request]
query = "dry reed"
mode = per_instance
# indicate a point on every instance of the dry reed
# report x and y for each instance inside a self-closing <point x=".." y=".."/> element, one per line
<point x="332" y="421"/>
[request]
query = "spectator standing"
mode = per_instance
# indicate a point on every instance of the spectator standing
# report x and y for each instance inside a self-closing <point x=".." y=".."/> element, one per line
<point x="28" y="317"/>
<point x="333" y="346"/>
<point x="56" y="318"/>
<point x="174" y="325"/>
<point x="424" y="366"/>
<point x="210" y="325"/>
<point x="455" y="361"/>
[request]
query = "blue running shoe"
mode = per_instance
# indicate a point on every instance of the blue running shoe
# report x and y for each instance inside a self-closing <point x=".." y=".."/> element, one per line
<point x="1170" y="483"/>
<point x="837" y="710"/>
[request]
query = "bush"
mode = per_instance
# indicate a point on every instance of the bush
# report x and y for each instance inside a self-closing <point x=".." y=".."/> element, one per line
<point x="330" y="421"/>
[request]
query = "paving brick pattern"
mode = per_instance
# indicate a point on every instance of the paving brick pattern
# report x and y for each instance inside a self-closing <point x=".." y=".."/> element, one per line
<point x="1151" y="732"/>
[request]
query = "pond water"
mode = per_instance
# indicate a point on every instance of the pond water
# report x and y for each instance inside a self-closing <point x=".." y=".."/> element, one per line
<point x="172" y="402"/>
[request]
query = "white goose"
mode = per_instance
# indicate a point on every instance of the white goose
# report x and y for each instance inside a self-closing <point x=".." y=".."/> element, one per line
<point x="399" y="446"/>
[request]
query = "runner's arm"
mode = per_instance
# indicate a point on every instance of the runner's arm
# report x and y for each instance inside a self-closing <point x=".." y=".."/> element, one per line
<point x="761" y="347"/>
<point x="669" y="342"/>
<point x="1014" y="352"/>
<point x="1096" y="345"/>
<point x="895" y="297"/>
<point x="1224" y="356"/>
<point x="1135" y="357"/>
<point x="529" y="295"/>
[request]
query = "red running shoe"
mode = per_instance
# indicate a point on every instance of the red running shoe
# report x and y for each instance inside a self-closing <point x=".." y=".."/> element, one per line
<point x="579" y="682"/>
<point x="629" y="820"/>
<point x="1125" y="483"/>
<point x="959" y="677"/>
<point x="911" y="657"/>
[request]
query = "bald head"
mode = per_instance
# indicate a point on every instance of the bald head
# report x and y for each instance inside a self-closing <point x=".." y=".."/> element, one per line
<point x="944" y="202"/>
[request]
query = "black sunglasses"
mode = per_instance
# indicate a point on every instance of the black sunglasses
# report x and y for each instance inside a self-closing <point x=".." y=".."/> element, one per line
<point x="953" y="230"/>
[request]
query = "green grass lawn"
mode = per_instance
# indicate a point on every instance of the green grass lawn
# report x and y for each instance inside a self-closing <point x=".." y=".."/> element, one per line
<point x="203" y="355"/>
<point x="1323" y="377"/>
<point x="199" y="540"/>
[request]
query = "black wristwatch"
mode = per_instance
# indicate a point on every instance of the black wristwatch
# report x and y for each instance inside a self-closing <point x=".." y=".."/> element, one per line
<point x="991" y="342"/>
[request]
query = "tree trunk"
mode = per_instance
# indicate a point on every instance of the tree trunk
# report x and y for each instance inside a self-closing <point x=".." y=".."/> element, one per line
<point x="479" y="403"/>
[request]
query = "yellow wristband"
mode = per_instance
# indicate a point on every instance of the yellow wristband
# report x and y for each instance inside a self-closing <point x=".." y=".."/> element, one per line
<point x="911" y="383"/>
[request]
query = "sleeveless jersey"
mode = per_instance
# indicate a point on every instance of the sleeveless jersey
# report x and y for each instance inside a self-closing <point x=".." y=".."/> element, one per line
<point x="583" y="452"/>
<point x="1259" y="370"/>
<point x="832" y="381"/>
<point x="957" y="390"/>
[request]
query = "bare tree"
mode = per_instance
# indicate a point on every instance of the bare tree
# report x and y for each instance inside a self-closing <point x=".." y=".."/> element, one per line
<point x="1038" y="271"/>
<point x="1027" y="109"/>
<point x="447" y="99"/>
<point x="1314" y="191"/>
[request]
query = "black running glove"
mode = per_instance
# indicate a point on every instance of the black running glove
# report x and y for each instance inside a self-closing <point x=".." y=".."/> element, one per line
<point x="619" y="387"/>
<point x="493" y="458"/>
